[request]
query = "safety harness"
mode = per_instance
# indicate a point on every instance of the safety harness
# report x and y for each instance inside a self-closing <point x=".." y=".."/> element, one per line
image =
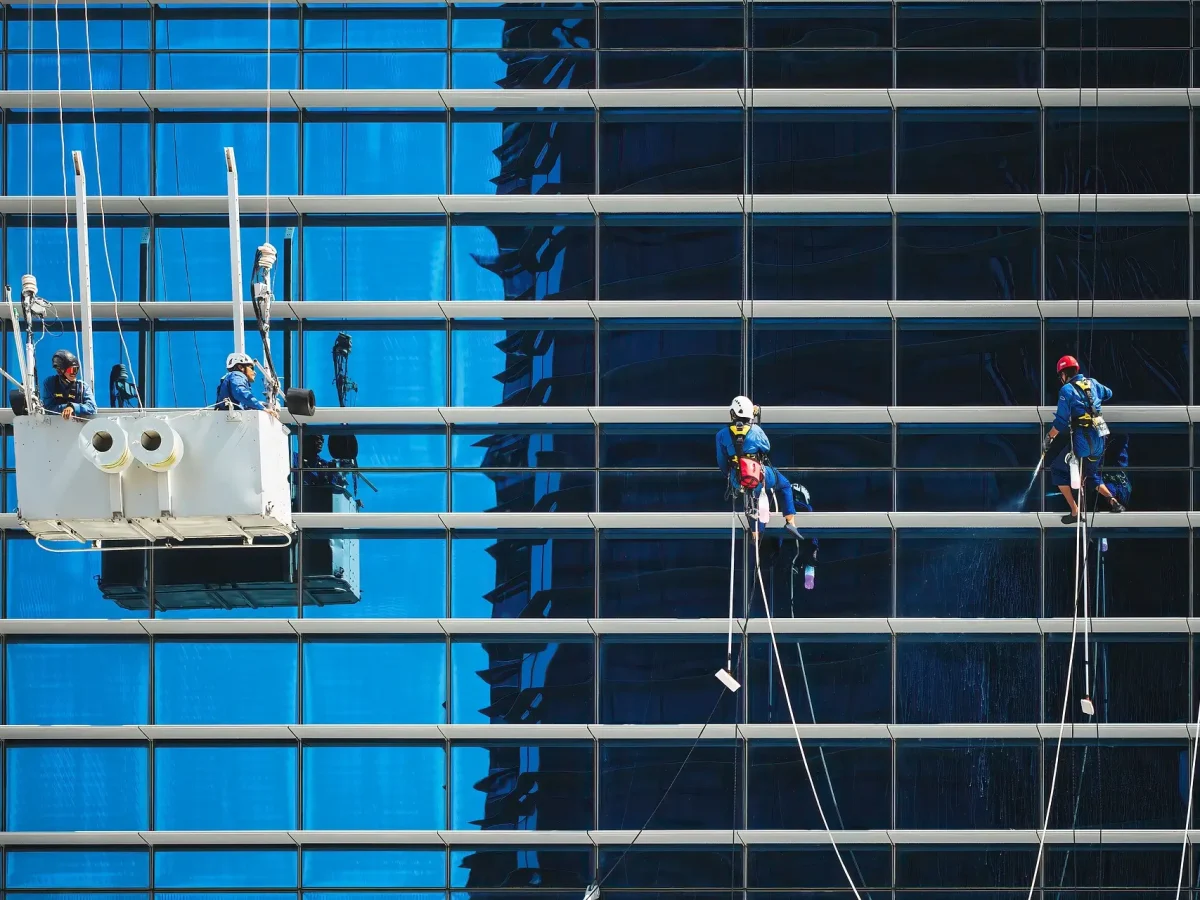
<point x="1091" y="417"/>
<point x="748" y="466"/>
<point x="66" y="391"/>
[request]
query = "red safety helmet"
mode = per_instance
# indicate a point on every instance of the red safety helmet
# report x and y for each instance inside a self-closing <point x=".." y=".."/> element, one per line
<point x="1067" y="362"/>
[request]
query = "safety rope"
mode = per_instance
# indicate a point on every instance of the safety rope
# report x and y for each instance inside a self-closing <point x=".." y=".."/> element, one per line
<point x="62" y="145"/>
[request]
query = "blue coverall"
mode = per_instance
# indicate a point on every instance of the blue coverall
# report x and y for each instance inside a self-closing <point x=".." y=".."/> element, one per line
<point x="1086" y="443"/>
<point x="755" y="443"/>
<point x="1118" y="482"/>
<point x="58" y="394"/>
<point x="235" y="388"/>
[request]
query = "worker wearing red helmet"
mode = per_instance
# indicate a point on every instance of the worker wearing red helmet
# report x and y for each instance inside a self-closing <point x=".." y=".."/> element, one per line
<point x="1079" y="415"/>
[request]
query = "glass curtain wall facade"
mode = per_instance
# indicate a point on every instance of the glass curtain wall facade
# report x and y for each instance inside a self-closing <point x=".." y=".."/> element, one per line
<point x="530" y="252"/>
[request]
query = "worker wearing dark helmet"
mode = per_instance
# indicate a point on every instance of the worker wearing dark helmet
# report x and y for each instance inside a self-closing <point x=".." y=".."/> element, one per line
<point x="65" y="392"/>
<point x="1079" y="416"/>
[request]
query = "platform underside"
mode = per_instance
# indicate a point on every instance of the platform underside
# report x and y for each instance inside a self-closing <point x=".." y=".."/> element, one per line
<point x="183" y="528"/>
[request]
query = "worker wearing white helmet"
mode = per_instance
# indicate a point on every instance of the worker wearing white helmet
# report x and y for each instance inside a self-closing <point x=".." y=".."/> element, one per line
<point x="742" y="449"/>
<point x="234" y="389"/>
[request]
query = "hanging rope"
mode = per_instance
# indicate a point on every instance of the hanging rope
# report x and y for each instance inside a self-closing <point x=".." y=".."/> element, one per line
<point x="62" y="145"/>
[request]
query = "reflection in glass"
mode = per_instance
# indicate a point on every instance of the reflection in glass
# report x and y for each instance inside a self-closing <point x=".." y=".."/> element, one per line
<point x="523" y="257"/>
<point x="634" y="779"/>
<point x="525" y="364"/>
<point x="671" y="152"/>
<point x="515" y="787"/>
<point x="675" y="258"/>
<point x="853" y="780"/>
<point x="845" y="257"/>
<point x="955" y="257"/>
<point x="1140" y="256"/>
<point x="513" y="575"/>
<point x="502" y="682"/>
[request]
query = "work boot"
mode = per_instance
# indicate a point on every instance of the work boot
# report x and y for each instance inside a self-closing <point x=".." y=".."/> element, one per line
<point x="1070" y="519"/>
<point x="1114" y="505"/>
<point x="793" y="531"/>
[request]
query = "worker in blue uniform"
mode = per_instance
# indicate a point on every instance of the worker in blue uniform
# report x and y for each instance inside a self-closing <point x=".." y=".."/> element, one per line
<point x="318" y="471"/>
<point x="234" y="389"/>
<point x="65" y="392"/>
<point x="1116" y="461"/>
<point x="742" y="449"/>
<point x="1079" y="415"/>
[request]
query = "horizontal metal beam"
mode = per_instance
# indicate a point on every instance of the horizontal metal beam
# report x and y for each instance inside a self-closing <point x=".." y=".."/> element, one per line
<point x="469" y="630"/>
<point x="610" y="204"/>
<point x="602" y="98"/>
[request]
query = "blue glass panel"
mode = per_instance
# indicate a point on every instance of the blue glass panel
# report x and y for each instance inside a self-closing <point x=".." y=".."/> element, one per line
<point x="539" y="152"/>
<point x="662" y="682"/>
<point x="989" y="447"/>
<point x="968" y="68"/>
<point x="523" y="363"/>
<point x="525" y="257"/>
<point x="225" y="683"/>
<point x="1141" y="151"/>
<point x="1136" y="784"/>
<point x="355" y="154"/>
<point x="232" y="788"/>
<point x="192" y="257"/>
<point x="634" y="779"/>
<point x="968" y="151"/>
<point x="514" y="447"/>
<point x="822" y="257"/>
<point x="1144" y="573"/>
<point x="78" y="787"/>
<point x="825" y="152"/>
<point x="124" y="141"/>
<point x="192" y="70"/>
<point x="387" y="492"/>
<point x="90" y="683"/>
<point x="853" y="780"/>
<point x="966" y="680"/>
<point x="77" y="868"/>
<point x="967" y="24"/>
<point x="1136" y="257"/>
<point x="365" y="867"/>
<point x="671" y="152"/>
<point x="661" y="258"/>
<point x="829" y="680"/>
<point x="380" y="28"/>
<point x="814" y="866"/>
<point x="1132" y="679"/>
<point x="42" y="585"/>
<point x="681" y="364"/>
<point x="361" y="895"/>
<point x="417" y="349"/>
<point x="646" y="867"/>
<point x="968" y="363"/>
<point x="512" y="575"/>
<point x="531" y="867"/>
<point x="821" y="68"/>
<point x="373" y="591"/>
<point x="108" y="71"/>
<point x="822" y="25"/>
<point x="672" y="69"/>
<point x="189" y="151"/>
<point x="966" y="574"/>
<point x="967" y="784"/>
<point x="189" y="363"/>
<point x="1142" y="363"/>
<point x="522" y="683"/>
<point x="804" y="365"/>
<point x="340" y="257"/>
<point x="514" y="787"/>
<point x="374" y="71"/>
<point x="953" y="257"/>
<point x="523" y="27"/>
<point x="353" y="682"/>
<point x="48" y="250"/>
<point x="249" y="868"/>
<point x="232" y="29"/>
<point x="412" y="447"/>
<point x="524" y="491"/>
<point x="374" y="787"/>
<point x="1118" y="68"/>
<point x="652" y="576"/>
<point x="523" y="69"/>
<point x="75" y="29"/>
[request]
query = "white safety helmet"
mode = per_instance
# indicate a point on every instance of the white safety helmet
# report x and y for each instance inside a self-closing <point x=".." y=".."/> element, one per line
<point x="742" y="408"/>
<point x="233" y="360"/>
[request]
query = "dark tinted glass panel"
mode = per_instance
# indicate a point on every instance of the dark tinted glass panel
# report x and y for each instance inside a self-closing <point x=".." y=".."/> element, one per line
<point x="492" y="787"/>
<point x="830" y="680"/>
<point x="1142" y="151"/>
<point x="960" y="867"/>
<point x="514" y="575"/>
<point x="852" y="577"/>
<point x="1117" y="68"/>
<point x="501" y="682"/>
<point x="514" y="447"/>
<point x="807" y="366"/>
<point x="962" y="492"/>
<point x="523" y="257"/>
<point x="510" y="152"/>
<point x="1136" y="257"/>
<point x="819" y="152"/>
<point x="522" y="69"/>
<point x="638" y="26"/>
<point x="814" y="866"/>
<point x="968" y="151"/>
<point x="519" y="28"/>
<point x="951" y="257"/>
<point x="1090" y="866"/>
<point x="505" y="867"/>
<point x="1121" y="24"/>
<point x="822" y="258"/>
<point x="522" y="364"/>
<point x="670" y="258"/>
<point x="968" y="68"/>
<point x="658" y="446"/>
<point x="524" y="491"/>
<point x="687" y="364"/>
<point x="968" y="784"/>
<point x="961" y="364"/>
<point x="668" y="152"/>
<point x="821" y="68"/>
<point x="1131" y="785"/>
<point x="966" y="680"/>
<point x="662" y="683"/>
<point x="829" y="446"/>
<point x="1144" y="574"/>
<point x="673" y="868"/>
<point x="966" y="446"/>
<point x="1142" y="679"/>
<point x="1141" y="365"/>
<point x="652" y="576"/>
<point x="672" y="69"/>
<point x="967" y="574"/>
<point x="822" y="25"/>
<point x="853" y="780"/>
<point x="634" y="779"/>
<point x="968" y="25"/>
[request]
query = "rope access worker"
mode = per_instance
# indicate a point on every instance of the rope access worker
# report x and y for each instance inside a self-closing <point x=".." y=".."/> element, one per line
<point x="1079" y="410"/>
<point x="742" y="450"/>
<point x="64" y="392"/>
<point x="327" y="474"/>
<point x="233" y="390"/>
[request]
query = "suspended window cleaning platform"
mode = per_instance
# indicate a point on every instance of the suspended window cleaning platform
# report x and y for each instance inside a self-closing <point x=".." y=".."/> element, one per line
<point x="127" y="478"/>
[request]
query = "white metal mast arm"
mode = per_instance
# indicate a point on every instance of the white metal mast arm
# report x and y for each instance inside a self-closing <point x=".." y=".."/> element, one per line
<point x="235" y="252"/>
<point x="85" y="269"/>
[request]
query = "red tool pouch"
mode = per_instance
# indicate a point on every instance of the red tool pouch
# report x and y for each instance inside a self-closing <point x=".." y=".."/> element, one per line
<point x="750" y="473"/>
